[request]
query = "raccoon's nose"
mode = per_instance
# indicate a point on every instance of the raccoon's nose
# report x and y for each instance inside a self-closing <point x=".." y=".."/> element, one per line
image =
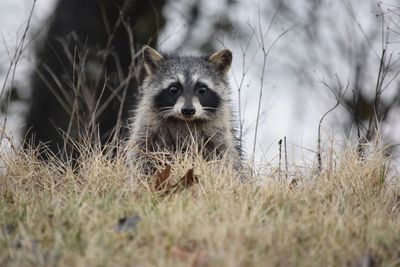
<point x="188" y="111"/>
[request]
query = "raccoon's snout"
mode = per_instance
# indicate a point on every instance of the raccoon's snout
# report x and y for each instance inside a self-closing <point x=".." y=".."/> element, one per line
<point x="188" y="111"/>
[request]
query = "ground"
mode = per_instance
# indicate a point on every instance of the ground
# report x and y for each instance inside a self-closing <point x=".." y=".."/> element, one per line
<point x="102" y="214"/>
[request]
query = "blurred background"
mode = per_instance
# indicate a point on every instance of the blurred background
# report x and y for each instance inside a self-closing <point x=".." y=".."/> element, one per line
<point x="75" y="72"/>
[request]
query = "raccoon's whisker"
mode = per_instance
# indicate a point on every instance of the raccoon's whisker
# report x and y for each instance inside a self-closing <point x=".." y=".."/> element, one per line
<point x="164" y="114"/>
<point x="209" y="109"/>
<point x="165" y="108"/>
<point x="163" y="118"/>
<point x="208" y="114"/>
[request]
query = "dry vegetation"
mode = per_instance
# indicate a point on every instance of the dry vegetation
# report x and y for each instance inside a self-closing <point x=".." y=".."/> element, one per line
<point x="103" y="214"/>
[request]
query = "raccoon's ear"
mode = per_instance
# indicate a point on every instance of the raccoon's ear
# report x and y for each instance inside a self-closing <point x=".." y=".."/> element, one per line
<point x="151" y="59"/>
<point x="222" y="60"/>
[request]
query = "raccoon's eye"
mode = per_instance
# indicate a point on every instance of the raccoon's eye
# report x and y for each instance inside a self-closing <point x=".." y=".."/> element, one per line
<point x="173" y="90"/>
<point x="202" y="90"/>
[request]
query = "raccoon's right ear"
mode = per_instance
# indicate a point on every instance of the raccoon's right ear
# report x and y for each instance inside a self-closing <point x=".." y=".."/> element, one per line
<point x="151" y="59"/>
<point x="222" y="60"/>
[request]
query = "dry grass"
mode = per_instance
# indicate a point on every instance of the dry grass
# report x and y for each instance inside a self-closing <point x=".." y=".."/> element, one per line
<point x="51" y="215"/>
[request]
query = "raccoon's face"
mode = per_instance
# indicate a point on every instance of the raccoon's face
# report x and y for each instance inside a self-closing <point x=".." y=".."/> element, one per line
<point x="188" y="101"/>
<point x="186" y="88"/>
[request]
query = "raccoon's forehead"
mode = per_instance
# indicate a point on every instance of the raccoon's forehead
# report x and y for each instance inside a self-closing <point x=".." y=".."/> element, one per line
<point x="187" y="70"/>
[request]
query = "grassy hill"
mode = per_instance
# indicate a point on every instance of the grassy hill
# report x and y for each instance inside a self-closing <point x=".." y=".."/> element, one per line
<point x="103" y="214"/>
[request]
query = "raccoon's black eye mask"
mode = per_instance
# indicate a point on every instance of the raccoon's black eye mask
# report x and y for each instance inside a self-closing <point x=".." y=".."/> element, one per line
<point x="200" y="89"/>
<point x="167" y="98"/>
<point x="174" y="88"/>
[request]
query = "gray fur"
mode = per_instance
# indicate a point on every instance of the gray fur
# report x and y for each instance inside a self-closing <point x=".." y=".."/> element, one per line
<point x="153" y="131"/>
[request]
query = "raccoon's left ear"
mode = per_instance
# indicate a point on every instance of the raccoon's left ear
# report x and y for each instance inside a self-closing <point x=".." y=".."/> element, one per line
<point x="151" y="59"/>
<point x="222" y="60"/>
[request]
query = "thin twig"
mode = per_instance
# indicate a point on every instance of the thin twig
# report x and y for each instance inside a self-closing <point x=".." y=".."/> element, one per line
<point x="286" y="159"/>
<point x="265" y="53"/>
<point x="13" y="67"/>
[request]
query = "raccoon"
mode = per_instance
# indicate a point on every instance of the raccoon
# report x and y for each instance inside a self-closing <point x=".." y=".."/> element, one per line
<point x="184" y="106"/>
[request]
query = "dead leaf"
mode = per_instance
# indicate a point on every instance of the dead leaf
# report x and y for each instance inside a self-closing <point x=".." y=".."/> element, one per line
<point x="188" y="180"/>
<point x="163" y="181"/>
